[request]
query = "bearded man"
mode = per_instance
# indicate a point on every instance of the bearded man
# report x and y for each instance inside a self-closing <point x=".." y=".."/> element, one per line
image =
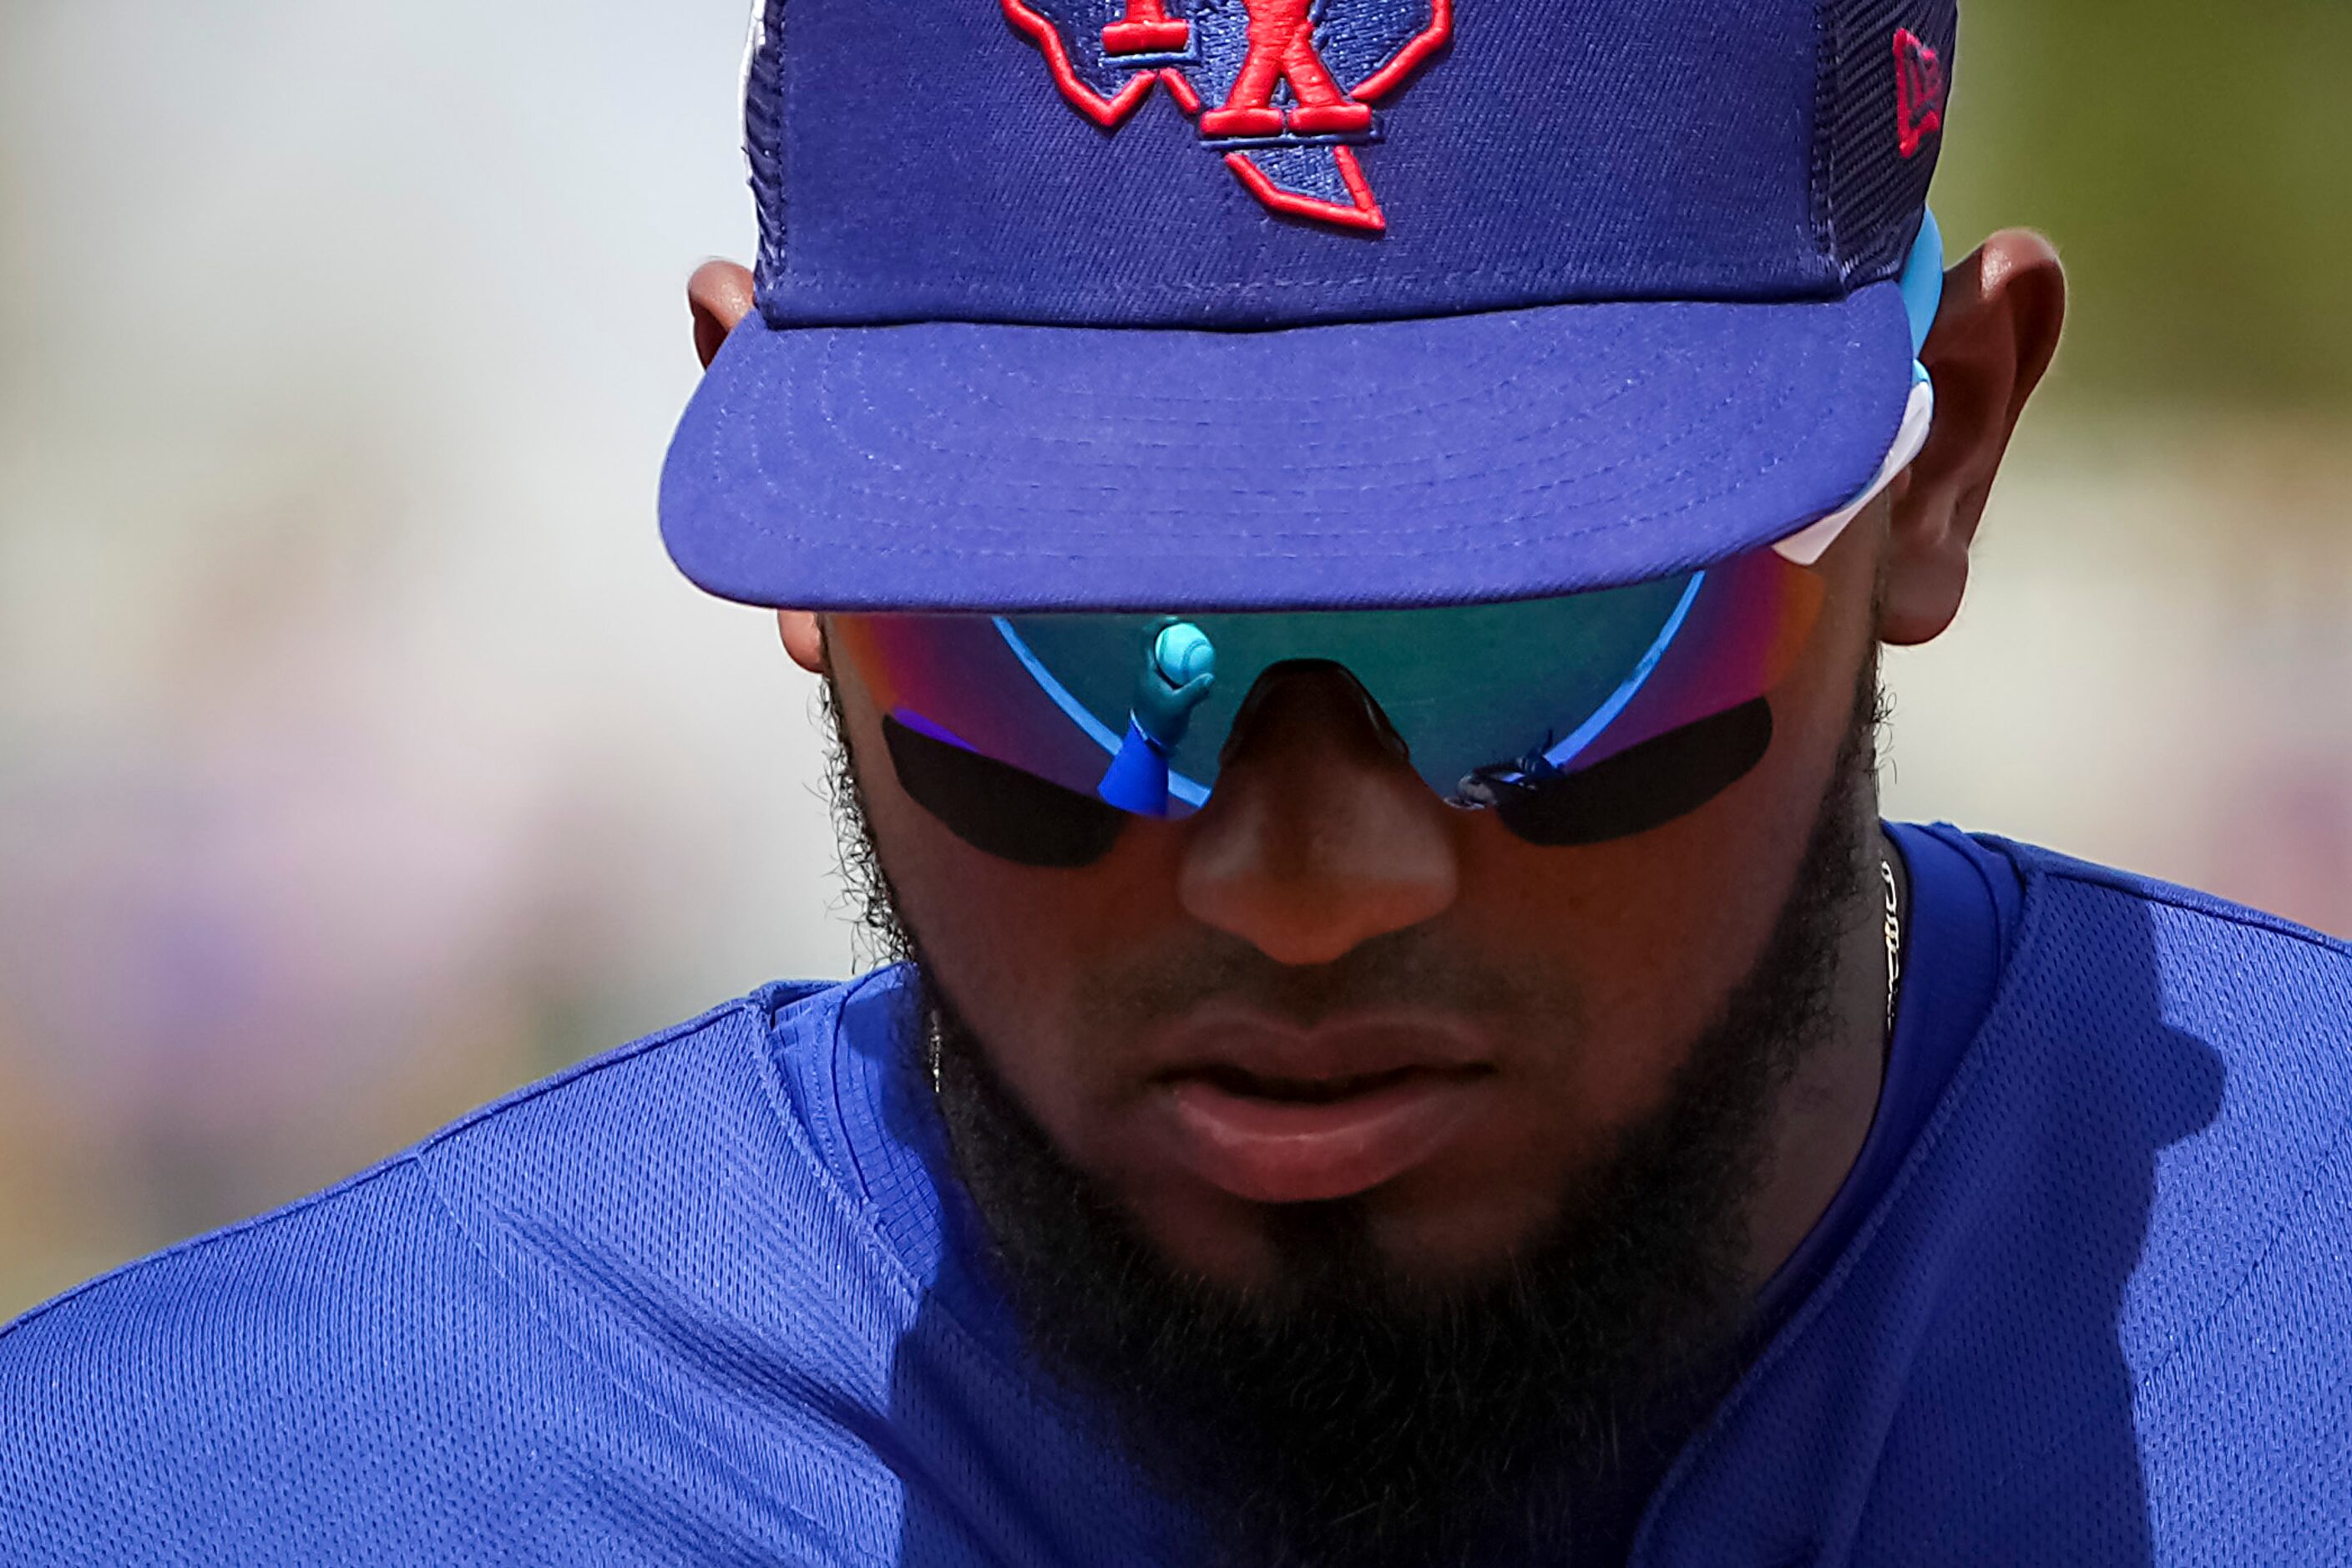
<point x="1410" y="1041"/>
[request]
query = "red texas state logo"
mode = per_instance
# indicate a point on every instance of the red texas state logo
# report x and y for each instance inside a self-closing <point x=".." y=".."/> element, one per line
<point x="1284" y="89"/>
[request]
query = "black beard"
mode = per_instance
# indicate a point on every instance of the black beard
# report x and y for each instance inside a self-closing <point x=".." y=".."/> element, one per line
<point x="1346" y="1417"/>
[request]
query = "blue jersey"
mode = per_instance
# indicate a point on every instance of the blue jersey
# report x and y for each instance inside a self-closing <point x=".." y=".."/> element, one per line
<point x="2087" y="1302"/>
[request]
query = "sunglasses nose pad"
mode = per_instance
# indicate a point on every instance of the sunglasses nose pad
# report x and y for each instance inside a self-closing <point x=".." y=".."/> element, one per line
<point x="1311" y="686"/>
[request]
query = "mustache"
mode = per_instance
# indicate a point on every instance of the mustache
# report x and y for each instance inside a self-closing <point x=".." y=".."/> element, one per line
<point x="1423" y="968"/>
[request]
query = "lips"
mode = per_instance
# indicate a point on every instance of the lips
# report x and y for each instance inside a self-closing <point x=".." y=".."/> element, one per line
<point x="1275" y="1114"/>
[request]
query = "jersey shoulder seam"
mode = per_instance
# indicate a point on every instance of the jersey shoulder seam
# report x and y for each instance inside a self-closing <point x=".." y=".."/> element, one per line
<point x="408" y="1157"/>
<point x="619" y="1055"/>
<point x="2188" y="900"/>
<point x="624" y="1386"/>
<point x="2197" y="1333"/>
<point x="211" y="1238"/>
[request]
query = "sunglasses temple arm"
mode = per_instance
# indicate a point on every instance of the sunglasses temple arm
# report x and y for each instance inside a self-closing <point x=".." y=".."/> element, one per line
<point x="1810" y="544"/>
<point x="1923" y="295"/>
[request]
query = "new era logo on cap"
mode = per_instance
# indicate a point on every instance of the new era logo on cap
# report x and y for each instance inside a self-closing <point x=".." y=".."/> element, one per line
<point x="1918" y="92"/>
<point x="1284" y="89"/>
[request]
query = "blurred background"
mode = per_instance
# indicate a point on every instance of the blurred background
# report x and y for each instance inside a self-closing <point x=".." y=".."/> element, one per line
<point x="362" y="757"/>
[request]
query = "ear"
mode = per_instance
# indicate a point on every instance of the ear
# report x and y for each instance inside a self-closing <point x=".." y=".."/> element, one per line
<point x="803" y="638"/>
<point x="719" y="294"/>
<point x="1994" y="341"/>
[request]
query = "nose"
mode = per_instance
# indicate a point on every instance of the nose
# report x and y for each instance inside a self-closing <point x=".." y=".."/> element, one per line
<point x="1319" y="837"/>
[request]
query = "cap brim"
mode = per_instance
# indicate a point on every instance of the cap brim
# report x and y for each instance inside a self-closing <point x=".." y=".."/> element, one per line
<point x="1445" y="460"/>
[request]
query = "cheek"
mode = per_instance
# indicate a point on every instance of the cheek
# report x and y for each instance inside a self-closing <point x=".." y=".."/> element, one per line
<point x="1650" y="935"/>
<point x="1631" y="951"/>
<point x="1009" y="942"/>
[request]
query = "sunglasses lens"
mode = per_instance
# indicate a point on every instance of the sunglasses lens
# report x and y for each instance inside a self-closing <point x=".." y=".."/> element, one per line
<point x="1637" y="790"/>
<point x="1577" y="718"/>
<point x="999" y="810"/>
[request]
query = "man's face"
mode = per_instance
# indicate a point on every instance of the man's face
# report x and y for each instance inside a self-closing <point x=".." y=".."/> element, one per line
<point x="1330" y="986"/>
<point x="1393" y="1178"/>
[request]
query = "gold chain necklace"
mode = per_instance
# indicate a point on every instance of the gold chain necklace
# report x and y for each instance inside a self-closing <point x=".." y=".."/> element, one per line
<point x="1894" y="939"/>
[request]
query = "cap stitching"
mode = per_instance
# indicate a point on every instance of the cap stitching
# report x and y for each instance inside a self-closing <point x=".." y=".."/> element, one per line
<point x="1470" y="544"/>
<point x="1688" y="431"/>
<point x="1830" y="288"/>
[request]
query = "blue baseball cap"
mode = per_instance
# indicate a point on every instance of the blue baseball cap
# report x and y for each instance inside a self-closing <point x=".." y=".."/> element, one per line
<point x="1237" y="304"/>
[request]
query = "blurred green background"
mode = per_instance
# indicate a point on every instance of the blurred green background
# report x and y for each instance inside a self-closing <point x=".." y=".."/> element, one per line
<point x="360" y="756"/>
<point x="2190" y="159"/>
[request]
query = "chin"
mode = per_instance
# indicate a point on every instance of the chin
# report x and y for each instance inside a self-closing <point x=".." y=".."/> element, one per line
<point x="1417" y="1235"/>
<point x="1468" y="1241"/>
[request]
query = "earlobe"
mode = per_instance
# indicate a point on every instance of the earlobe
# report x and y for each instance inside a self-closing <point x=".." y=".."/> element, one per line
<point x="721" y="295"/>
<point x="1994" y="341"/>
<point x="803" y="638"/>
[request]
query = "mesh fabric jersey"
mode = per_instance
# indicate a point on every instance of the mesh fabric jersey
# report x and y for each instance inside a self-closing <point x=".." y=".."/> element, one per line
<point x="697" y="1301"/>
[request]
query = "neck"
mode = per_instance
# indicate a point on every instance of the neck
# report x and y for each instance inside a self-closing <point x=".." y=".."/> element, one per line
<point x="1824" y="1115"/>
